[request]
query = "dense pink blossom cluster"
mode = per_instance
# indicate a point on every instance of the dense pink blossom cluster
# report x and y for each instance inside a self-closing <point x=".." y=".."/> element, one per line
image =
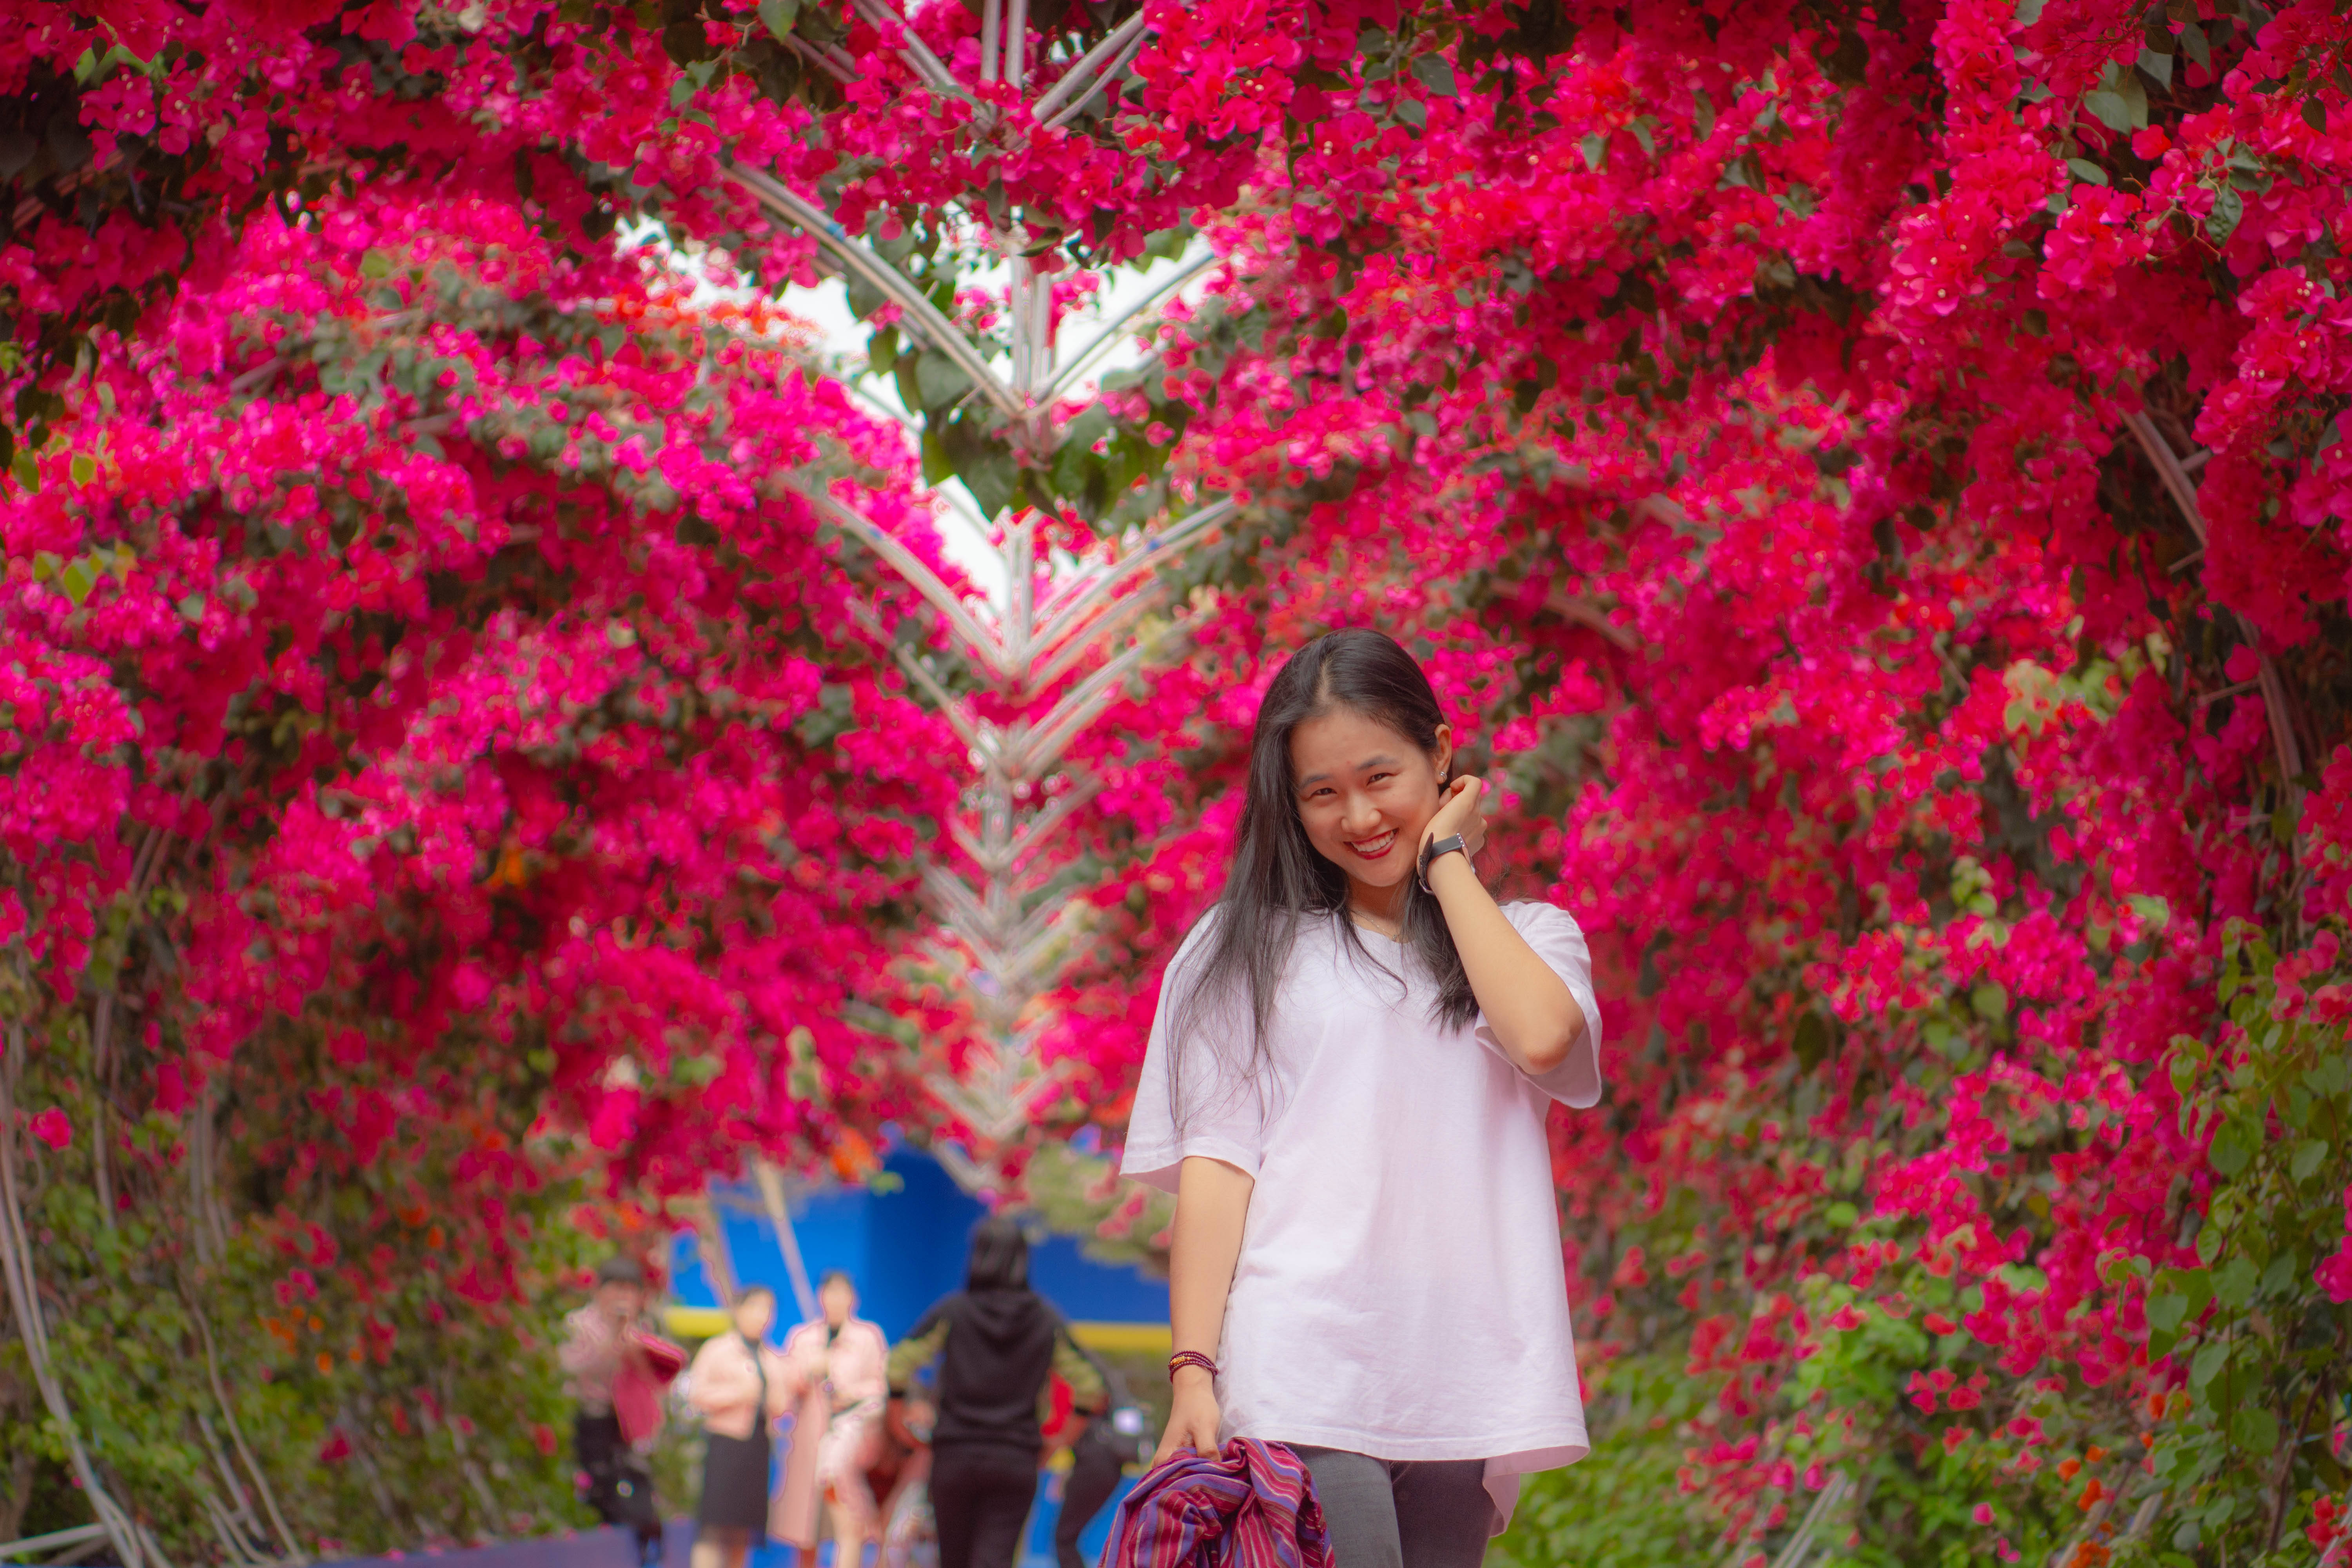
<point x="466" y="676"/>
<point x="1736" y="403"/>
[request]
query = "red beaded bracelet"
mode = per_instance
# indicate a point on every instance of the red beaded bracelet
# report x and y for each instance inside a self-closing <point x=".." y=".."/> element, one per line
<point x="1190" y="1357"/>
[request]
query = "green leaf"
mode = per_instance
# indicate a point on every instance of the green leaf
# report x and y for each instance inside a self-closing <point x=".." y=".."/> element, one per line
<point x="2193" y="45"/>
<point x="1413" y="111"/>
<point x="864" y="297"/>
<point x="2119" y="100"/>
<point x="27" y="471"/>
<point x="2255" y="1430"/>
<point x="2315" y="113"/>
<point x="84" y="467"/>
<point x="1702" y="113"/>
<point x="2029" y="11"/>
<point x="1079" y="475"/>
<point x="192" y="606"/>
<point x="2233" y="1147"/>
<point x="2233" y="1283"/>
<point x="2308" y="1156"/>
<point x="2194" y="1286"/>
<point x="2208" y="1366"/>
<point x="1436" y="73"/>
<point x="2183" y="1071"/>
<point x="2229" y="207"/>
<point x="1842" y="1216"/>
<point x="2157" y="66"/>
<point x="2090" y="174"/>
<point x="939" y="380"/>
<point x="1595" y="148"/>
<point x="978" y="457"/>
<point x="778" y="16"/>
<point x="76" y="580"/>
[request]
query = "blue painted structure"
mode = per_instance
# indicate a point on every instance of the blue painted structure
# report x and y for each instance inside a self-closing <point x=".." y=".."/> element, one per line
<point x="905" y="1248"/>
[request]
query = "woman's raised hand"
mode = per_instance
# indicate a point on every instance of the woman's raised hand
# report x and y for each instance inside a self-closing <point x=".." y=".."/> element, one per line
<point x="1193" y="1417"/>
<point x="1458" y="811"/>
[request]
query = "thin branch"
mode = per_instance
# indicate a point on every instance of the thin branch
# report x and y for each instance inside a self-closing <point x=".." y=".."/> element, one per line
<point x="780" y="1215"/>
<point x="915" y="53"/>
<point x="910" y="567"/>
<point x="24" y="1297"/>
<point x="1102" y="83"/>
<point x="1155" y="550"/>
<point x="822" y="61"/>
<point x="78" y="1535"/>
<point x="1082" y="72"/>
<point x="2183" y="491"/>
<point x="1101" y="630"/>
<point x="233" y="1546"/>
<point x="1116" y="324"/>
<point x="1077" y="709"/>
<point x="1590" y="615"/>
<point x="101" y="1037"/>
<point x="2108" y="1492"/>
<point x="782" y="201"/>
<point x="1832" y="1493"/>
<point x="1016" y="41"/>
<point x="249" y="1528"/>
<point x="228" y="1418"/>
<point x="2168" y="469"/>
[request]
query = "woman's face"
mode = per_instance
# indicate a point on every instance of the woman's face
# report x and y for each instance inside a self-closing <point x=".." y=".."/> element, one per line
<point x="754" y="1315"/>
<point x="1364" y="793"/>
<point x="839" y="1299"/>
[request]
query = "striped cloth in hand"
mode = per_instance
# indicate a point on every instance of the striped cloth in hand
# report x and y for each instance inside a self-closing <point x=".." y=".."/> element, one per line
<point x="1252" y="1505"/>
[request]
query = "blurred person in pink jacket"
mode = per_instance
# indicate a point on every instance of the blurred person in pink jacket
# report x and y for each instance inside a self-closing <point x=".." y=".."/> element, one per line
<point x="838" y="1368"/>
<point x="603" y="1345"/>
<point x="740" y="1385"/>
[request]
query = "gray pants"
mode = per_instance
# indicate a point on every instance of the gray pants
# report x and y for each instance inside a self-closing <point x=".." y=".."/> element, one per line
<point x="1401" y="1513"/>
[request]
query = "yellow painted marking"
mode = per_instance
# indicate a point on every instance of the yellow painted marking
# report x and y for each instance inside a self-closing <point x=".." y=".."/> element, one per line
<point x="695" y="1323"/>
<point x="1125" y="1339"/>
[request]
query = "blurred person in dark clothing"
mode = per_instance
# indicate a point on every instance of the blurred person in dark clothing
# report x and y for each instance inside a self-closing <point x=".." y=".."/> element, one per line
<point x="998" y="1344"/>
<point x="1110" y="1442"/>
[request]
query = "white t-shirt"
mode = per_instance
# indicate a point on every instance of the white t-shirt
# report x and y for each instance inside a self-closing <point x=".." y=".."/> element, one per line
<point x="1399" y="1291"/>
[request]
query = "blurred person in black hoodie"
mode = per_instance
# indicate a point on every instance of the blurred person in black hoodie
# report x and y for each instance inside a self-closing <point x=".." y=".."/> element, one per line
<point x="998" y="1344"/>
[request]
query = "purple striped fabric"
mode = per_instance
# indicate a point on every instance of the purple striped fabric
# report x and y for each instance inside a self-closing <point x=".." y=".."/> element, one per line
<point x="1252" y="1505"/>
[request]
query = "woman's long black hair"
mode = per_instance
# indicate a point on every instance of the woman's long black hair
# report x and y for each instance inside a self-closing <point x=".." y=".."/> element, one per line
<point x="1277" y="876"/>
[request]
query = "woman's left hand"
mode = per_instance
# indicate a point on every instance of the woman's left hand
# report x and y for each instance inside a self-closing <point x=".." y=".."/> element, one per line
<point x="1458" y="811"/>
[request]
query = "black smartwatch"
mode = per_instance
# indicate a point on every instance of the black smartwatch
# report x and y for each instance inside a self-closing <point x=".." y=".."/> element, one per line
<point x="1431" y="850"/>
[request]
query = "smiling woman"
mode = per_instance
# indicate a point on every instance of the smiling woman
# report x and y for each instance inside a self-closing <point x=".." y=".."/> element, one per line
<point x="1330" y="1040"/>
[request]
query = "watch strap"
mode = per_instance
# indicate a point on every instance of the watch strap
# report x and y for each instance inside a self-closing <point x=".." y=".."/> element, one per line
<point x="1448" y="845"/>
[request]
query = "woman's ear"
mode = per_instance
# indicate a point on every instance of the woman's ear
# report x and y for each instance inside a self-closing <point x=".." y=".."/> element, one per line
<point x="1444" y="755"/>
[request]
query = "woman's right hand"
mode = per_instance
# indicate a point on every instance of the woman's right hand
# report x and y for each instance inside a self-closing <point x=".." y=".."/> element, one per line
<point x="1193" y="1417"/>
